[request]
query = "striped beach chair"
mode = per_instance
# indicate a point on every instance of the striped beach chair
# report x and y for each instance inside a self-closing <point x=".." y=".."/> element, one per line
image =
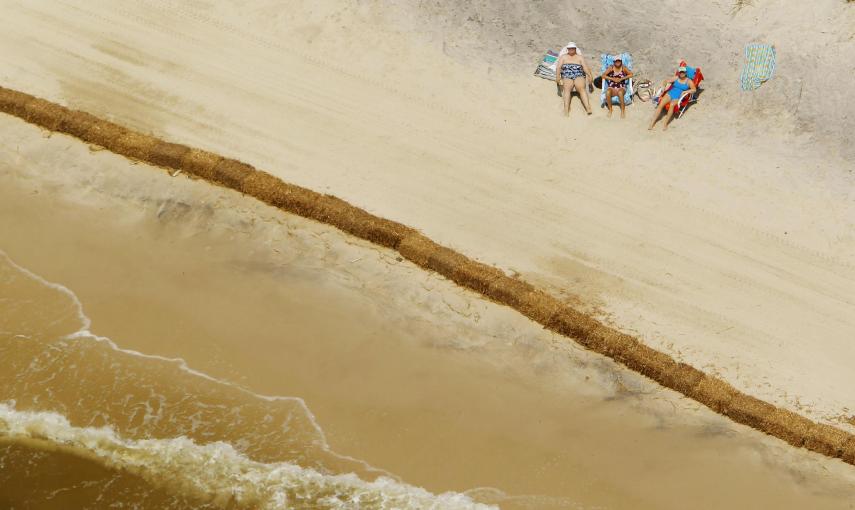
<point x="606" y="61"/>
<point x="546" y="67"/>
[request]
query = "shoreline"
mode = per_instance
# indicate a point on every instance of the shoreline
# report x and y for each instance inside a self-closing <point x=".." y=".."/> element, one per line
<point x="488" y="281"/>
<point x="721" y="244"/>
<point x="179" y="269"/>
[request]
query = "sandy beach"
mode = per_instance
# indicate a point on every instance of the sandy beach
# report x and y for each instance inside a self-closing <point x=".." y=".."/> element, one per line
<point x="378" y="368"/>
<point x="727" y="243"/>
<point x="744" y="268"/>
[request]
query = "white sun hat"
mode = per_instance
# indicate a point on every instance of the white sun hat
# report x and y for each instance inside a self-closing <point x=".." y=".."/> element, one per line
<point x="571" y="44"/>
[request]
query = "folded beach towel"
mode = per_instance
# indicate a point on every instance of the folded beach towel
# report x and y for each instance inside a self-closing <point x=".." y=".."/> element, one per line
<point x="606" y="61"/>
<point x="759" y="66"/>
<point x="546" y="68"/>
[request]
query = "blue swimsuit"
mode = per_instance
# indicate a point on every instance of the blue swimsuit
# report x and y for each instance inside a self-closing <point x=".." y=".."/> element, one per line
<point x="678" y="88"/>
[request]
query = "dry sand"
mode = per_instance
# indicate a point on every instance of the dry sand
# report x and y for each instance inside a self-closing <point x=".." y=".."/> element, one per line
<point x="399" y="367"/>
<point x="729" y="250"/>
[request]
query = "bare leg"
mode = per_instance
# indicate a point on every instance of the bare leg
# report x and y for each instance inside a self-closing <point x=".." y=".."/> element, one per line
<point x="581" y="86"/>
<point x="662" y="102"/>
<point x="621" y="94"/>
<point x="609" y="100"/>
<point x="565" y="95"/>
<point x="670" y="114"/>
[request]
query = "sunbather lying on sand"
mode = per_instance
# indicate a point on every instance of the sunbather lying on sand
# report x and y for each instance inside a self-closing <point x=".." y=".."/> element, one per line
<point x="679" y="84"/>
<point x="616" y="76"/>
<point x="571" y="72"/>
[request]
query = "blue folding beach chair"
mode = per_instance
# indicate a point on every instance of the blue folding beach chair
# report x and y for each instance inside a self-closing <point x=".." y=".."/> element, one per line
<point x="605" y="62"/>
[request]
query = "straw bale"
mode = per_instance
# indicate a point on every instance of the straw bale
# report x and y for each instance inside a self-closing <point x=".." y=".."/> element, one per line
<point x="329" y="209"/>
<point x="383" y="232"/>
<point x="14" y="102"/>
<point x="683" y="378"/>
<point x="417" y="249"/>
<point x="649" y="362"/>
<point x="231" y="173"/>
<point x="134" y="145"/>
<point x="104" y="133"/>
<point x="200" y="163"/>
<point x="273" y="191"/>
<point x="827" y="440"/>
<point x="522" y="296"/>
<point x="614" y="344"/>
<point x="749" y="410"/>
<point x="360" y="223"/>
<point x="714" y="393"/>
<point x="509" y="290"/>
<point x="335" y="211"/>
<point x="77" y="123"/>
<point x="849" y="451"/>
<point x="570" y="322"/>
<point x="465" y="272"/>
<point x="260" y="185"/>
<point x="168" y="155"/>
<point x="302" y="201"/>
<point x="789" y="426"/>
<point x="45" y="114"/>
<point x="598" y="339"/>
<point x="538" y="306"/>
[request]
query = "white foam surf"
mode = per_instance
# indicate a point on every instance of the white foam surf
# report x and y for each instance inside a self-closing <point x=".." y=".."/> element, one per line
<point x="215" y="470"/>
<point x="217" y="473"/>
<point x="85" y="333"/>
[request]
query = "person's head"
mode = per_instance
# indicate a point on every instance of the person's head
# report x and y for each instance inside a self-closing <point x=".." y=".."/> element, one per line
<point x="571" y="48"/>
<point x="618" y="62"/>
<point x="681" y="72"/>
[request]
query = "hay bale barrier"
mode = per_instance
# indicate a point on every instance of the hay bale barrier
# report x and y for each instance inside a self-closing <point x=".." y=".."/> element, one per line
<point x="488" y="281"/>
<point x="15" y="103"/>
<point x="168" y="155"/>
<point x="134" y="145"/>
<point x="104" y="133"/>
<point x="200" y="163"/>
<point x="46" y="114"/>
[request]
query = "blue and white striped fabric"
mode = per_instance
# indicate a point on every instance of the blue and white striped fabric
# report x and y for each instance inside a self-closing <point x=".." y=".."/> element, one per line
<point x="606" y="60"/>
<point x="759" y="66"/>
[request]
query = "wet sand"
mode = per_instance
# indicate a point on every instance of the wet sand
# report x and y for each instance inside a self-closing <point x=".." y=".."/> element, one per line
<point x="397" y="368"/>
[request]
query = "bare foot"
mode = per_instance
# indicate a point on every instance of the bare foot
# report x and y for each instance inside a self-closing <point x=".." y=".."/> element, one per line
<point x="623" y="115"/>
<point x="590" y="112"/>
<point x="610" y="114"/>
<point x="665" y="128"/>
<point x="650" y="127"/>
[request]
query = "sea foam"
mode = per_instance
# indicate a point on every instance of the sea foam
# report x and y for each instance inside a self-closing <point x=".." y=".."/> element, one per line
<point x="216" y="472"/>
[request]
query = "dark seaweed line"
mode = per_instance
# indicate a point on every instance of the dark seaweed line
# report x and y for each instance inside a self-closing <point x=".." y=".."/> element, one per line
<point x="481" y="278"/>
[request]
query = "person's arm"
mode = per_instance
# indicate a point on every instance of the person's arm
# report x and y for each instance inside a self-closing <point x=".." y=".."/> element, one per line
<point x="664" y="86"/>
<point x="692" y="87"/>
<point x="558" y="69"/>
<point x="628" y="74"/>
<point x="607" y="71"/>
<point x="587" y="70"/>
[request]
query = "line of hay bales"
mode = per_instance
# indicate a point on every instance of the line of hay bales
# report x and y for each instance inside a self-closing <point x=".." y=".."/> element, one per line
<point x="481" y="278"/>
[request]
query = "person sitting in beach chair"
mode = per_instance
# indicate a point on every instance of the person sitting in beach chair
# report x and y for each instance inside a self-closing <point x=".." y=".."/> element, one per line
<point x="676" y="93"/>
<point x="616" y="78"/>
<point x="572" y="72"/>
